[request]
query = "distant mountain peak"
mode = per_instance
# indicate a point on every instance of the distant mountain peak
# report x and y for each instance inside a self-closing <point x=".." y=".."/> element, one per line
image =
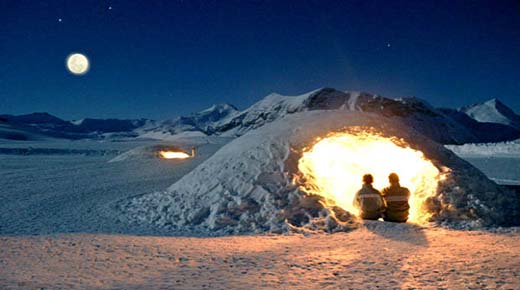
<point x="34" y="118"/>
<point x="494" y="101"/>
<point x="491" y="102"/>
<point x="222" y="107"/>
<point x="493" y="111"/>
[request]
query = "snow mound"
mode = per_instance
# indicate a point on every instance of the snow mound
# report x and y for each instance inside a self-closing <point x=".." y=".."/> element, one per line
<point x="246" y="187"/>
<point x="179" y="142"/>
<point x="509" y="149"/>
<point x="146" y="152"/>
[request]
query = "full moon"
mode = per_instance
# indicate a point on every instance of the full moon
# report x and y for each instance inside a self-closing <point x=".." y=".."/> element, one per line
<point x="77" y="63"/>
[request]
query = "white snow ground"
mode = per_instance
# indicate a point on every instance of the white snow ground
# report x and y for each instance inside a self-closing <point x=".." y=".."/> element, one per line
<point x="377" y="256"/>
<point x="69" y="186"/>
<point x="499" y="161"/>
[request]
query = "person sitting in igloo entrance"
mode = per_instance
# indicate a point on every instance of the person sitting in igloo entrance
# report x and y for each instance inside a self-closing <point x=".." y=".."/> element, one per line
<point x="369" y="200"/>
<point x="396" y="199"/>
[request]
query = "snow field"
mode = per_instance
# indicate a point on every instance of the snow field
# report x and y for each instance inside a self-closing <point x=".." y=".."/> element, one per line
<point x="379" y="255"/>
<point x="56" y="191"/>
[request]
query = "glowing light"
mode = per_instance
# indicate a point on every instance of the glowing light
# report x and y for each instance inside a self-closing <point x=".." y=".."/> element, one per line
<point x="78" y="64"/>
<point x="334" y="166"/>
<point x="174" y="155"/>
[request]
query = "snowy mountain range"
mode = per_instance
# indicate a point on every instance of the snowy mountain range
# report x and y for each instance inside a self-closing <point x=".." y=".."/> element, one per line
<point x="205" y="122"/>
<point x="491" y="121"/>
<point x="44" y="125"/>
<point x="447" y="126"/>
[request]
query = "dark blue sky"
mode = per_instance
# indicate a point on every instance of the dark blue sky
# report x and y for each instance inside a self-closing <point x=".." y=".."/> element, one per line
<point x="159" y="59"/>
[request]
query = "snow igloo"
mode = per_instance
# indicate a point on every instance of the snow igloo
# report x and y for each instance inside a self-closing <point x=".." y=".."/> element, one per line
<point x="300" y="173"/>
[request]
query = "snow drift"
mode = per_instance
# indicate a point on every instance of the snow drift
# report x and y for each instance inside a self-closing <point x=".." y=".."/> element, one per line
<point x="204" y="146"/>
<point x="147" y="152"/>
<point x="509" y="149"/>
<point x="247" y="186"/>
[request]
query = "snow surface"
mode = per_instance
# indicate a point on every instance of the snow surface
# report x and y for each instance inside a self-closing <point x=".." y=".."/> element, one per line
<point x="501" y="149"/>
<point x="62" y="186"/>
<point x="499" y="161"/>
<point x="377" y="256"/>
<point x="505" y="171"/>
<point x="246" y="187"/>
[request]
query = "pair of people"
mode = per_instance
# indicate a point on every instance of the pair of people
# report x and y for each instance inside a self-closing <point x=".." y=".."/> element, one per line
<point x="391" y="204"/>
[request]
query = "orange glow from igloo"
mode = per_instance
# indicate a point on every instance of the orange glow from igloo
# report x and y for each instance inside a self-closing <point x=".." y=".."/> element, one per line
<point x="334" y="166"/>
<point x="173" y="155"/>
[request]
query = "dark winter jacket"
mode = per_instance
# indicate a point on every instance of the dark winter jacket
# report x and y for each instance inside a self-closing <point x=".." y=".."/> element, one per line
<point x="397" y="207"/>
<point x="370" y="202"/>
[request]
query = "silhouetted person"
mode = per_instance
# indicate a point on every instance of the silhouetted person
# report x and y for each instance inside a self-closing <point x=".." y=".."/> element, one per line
<point x="396" y="198"/>
<point x="369" y="200"/>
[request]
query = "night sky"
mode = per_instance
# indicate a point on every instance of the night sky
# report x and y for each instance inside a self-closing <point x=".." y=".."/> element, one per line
<point x="160" y="59"/>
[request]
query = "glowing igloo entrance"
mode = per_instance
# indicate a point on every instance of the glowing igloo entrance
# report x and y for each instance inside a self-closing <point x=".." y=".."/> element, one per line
<point x="172" y="152"/>
<point x="334" y="166"/>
